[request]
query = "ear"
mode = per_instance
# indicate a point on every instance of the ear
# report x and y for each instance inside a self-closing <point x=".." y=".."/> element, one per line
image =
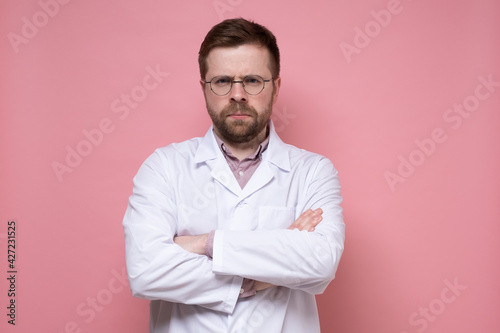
<point x="277" y="85"/>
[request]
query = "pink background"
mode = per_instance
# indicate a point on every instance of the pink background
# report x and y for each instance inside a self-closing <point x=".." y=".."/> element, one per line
<point x="363" y="99"/>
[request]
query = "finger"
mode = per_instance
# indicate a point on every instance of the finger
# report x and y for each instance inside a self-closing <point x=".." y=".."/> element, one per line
<point x="316" y="221"/>
<point x="318" y="211"/>
<point x="312" y="221"/>
<point x="298" y="222"/>
<point x="307" y="222"/>
<point x="306" y="213"/>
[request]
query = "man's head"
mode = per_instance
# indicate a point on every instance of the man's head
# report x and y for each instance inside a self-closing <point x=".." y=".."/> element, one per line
<point x="233" y="50"/>
<point x="236" y="32"/>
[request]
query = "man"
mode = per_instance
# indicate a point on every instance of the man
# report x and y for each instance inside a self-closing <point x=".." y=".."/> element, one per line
<point x="235" y="231"/>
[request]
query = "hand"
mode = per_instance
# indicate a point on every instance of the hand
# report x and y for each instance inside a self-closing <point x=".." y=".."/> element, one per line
<point x="193" y="244"/>
<point x="308" y="220"/>
<point x="259" y="285"/>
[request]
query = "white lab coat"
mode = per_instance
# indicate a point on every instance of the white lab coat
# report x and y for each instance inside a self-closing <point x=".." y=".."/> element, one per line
<point x="188" y="189"/>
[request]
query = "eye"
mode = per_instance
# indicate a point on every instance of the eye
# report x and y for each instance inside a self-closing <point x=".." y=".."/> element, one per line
<point x="221" y="80"/>
<point x="253" y="80"/>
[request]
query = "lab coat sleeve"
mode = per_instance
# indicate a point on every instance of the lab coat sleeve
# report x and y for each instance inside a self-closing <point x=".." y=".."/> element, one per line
<point x="295" y="259"/>
<point x="159" y="269"/>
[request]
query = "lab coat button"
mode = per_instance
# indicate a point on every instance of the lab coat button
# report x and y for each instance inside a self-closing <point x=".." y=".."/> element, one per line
<point x="242" y="291"/>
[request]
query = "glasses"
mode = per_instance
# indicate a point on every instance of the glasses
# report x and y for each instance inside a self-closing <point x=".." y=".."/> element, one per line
<point x="252" y="84"/>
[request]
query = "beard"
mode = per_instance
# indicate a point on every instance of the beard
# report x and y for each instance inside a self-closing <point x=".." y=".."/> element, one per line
<point x="240" y="130"/>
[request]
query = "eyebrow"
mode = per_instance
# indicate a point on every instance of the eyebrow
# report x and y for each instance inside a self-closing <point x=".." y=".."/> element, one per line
<point x="234" y="76"/>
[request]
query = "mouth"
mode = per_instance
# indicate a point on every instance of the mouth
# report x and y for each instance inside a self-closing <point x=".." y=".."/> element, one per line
<point x="238" y="111"/>
<point x="239" y="116"/>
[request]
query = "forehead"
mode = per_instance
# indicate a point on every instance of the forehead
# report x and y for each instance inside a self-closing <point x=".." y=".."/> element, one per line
<point x="239" y="61"/>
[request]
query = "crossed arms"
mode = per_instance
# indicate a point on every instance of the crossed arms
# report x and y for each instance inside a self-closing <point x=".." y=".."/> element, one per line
<point x="197" y="244"/>
<point x="162" y="266"/>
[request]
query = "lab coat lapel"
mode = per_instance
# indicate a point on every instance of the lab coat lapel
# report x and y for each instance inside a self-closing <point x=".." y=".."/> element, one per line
<point x="276" y="155"/>
<point x="208" y="152"/>
<point x="259" y="179"/>
<point x="223" y="174"/>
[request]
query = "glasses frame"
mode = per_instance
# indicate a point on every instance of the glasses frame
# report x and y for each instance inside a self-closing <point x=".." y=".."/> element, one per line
<point x="238" y="81"/>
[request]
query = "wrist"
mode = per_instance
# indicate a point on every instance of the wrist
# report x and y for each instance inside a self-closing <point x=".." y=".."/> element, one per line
<point x="202" y="244"/>
<point x="209" y="244"/>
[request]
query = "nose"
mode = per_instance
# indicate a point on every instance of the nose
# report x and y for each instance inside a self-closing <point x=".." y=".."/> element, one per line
<point x="237" y="93"/>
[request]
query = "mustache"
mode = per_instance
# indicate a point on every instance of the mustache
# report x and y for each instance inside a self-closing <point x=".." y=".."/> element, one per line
<point x="237" y="107"/>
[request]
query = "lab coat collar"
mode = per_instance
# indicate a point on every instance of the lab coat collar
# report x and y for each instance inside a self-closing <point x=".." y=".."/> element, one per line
<point x="207" y="150"/>
<point x="276" y="153"/>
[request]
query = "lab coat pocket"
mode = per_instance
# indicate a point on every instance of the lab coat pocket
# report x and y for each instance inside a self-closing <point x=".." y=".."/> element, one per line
<point x="276" y="217"/>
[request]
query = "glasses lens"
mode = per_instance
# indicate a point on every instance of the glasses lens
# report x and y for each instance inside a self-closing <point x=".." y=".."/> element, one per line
<point x="220" y="85"/>
<point x="253" y="84"/>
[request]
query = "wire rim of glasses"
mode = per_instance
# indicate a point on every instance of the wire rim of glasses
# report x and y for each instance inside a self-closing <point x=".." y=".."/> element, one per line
<point x="221" y="85"/>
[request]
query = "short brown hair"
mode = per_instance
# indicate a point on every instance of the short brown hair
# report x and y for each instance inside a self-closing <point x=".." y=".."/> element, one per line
<point x="236" y="32"/>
